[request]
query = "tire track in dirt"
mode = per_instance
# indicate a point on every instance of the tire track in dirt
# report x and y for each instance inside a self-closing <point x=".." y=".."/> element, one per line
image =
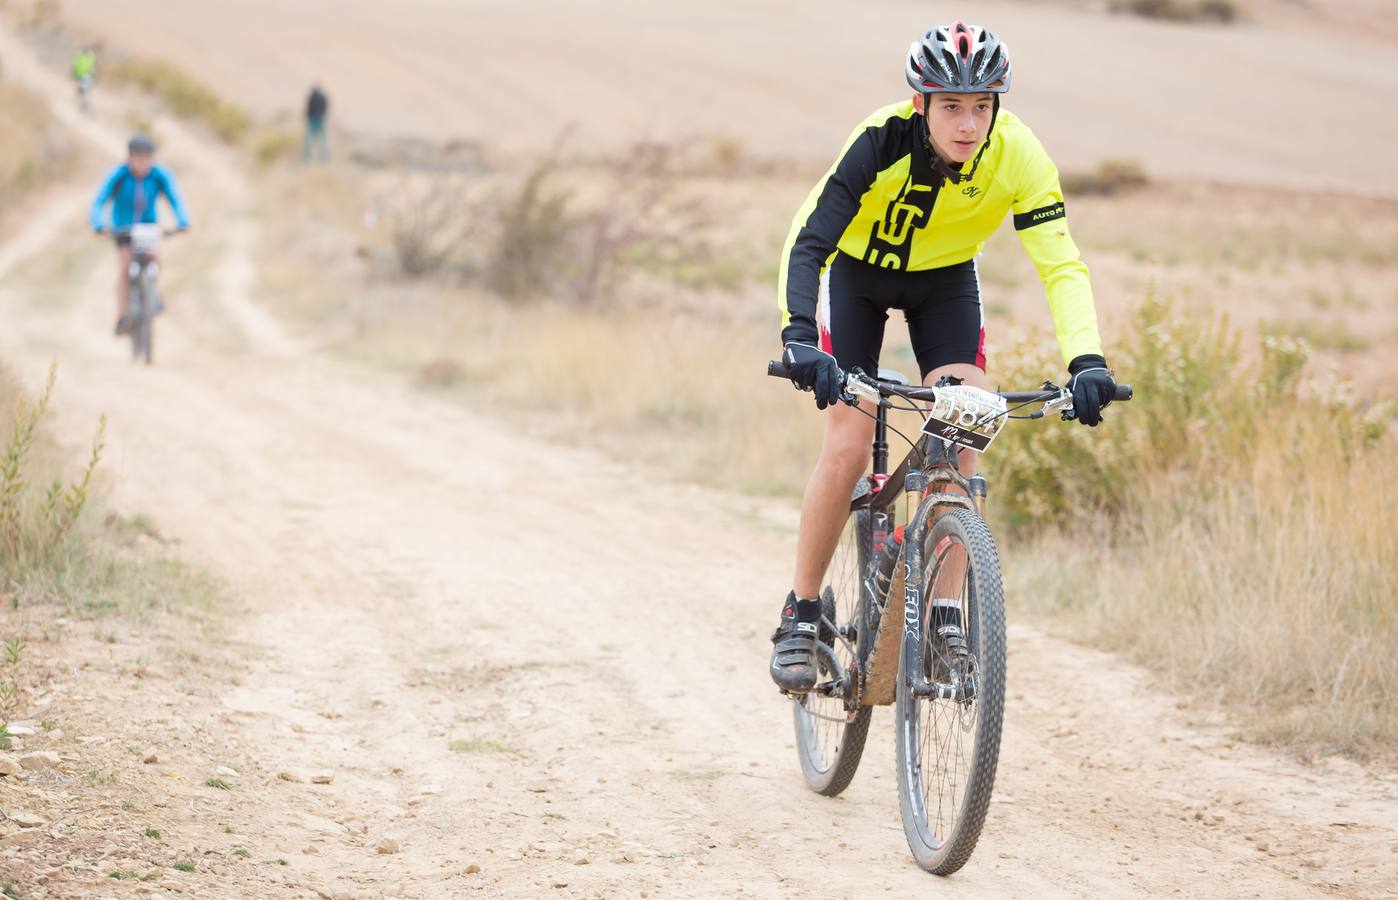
<point x="408" y="573"/>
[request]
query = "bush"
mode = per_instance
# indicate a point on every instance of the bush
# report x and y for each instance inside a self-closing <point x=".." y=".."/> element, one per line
<point x="1221" y="11"/>
<point x="1112" y="176"/>
<point x="1234" y="525"/>
<point x="631" y="221"/>
<point x="185" y="96"/>
<point x="271" y="146"/>
<point x="433" y="221"/>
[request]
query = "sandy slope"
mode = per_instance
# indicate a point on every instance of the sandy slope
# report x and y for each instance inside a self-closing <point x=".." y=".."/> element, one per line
<point x="1224" y="103"/>
<point x="409" y="573"/>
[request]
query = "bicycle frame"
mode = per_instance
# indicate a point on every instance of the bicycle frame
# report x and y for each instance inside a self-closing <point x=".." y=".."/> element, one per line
<point x="929" y="470"/>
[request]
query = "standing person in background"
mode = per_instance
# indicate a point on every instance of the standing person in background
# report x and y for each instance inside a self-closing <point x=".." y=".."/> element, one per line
<point x="317" y="104"/>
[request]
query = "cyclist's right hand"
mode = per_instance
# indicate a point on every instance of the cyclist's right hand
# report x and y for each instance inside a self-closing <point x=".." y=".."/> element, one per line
<point x="812" y="369"/>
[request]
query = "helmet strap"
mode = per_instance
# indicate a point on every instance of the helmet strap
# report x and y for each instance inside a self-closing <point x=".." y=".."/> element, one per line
<point x="994" y="114"/>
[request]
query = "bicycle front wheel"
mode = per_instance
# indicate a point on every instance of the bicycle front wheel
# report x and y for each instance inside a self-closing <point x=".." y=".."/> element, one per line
<point x="140" y="307"/>
<point x="947" y="749"/>
<point x="830" y="737"/>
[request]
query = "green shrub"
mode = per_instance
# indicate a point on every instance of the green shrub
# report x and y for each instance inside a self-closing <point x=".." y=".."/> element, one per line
<point x="1112" y="176"/>
<point x="37" y="521"/>
<point x="1202" y="405"/>
<point x="1221" y="11"/>
<point x="1233" y="526"/>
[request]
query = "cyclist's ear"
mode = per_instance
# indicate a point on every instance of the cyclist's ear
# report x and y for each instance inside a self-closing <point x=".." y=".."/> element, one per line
<point x="919" y="102"/>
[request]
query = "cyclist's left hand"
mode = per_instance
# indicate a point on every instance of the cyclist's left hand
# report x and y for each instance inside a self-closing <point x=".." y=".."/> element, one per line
<point x="1093" y="388"/>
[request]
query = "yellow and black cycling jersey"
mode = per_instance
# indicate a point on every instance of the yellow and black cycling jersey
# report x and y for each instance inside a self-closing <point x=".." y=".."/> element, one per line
<point x="882" y="203"/>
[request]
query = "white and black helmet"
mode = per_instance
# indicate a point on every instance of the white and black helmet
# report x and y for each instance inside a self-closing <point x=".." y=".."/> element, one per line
<point x="959" y="58"/>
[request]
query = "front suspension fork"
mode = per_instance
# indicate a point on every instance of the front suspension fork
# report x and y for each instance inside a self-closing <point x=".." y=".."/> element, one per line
<point x="913" y="600"/>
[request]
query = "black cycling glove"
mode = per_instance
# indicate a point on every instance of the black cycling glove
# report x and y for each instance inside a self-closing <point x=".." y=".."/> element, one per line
<point x="812" y="369"/>
<point x="1093" y="388"/>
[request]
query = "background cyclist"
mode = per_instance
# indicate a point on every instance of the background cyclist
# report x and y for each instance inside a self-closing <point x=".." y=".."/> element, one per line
<point x="133" y="188"/>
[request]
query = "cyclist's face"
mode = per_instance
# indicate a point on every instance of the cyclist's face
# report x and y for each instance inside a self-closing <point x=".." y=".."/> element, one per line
<point x="958" y="123"/>
<point x="139" y="164"/>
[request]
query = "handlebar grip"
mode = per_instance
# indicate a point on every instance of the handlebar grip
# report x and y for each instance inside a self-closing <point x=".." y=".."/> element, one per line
<point x="1123" y="392"/>
<point x="779" y="370"/>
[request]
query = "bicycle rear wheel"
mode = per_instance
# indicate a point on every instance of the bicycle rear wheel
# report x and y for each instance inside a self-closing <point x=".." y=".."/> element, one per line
<point x="947" y="749"/>
<point x="829" y="737"/>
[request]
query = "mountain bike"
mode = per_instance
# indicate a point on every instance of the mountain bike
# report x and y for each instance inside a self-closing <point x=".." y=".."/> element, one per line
<point x="913" y="615"/>
<point x="143" y="303"/>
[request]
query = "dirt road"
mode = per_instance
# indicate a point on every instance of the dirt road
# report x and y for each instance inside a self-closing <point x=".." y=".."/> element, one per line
<point x="407" y="574"/>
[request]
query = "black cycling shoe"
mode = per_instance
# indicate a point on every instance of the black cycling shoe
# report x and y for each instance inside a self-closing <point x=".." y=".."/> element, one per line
<point x="793" y="651"/>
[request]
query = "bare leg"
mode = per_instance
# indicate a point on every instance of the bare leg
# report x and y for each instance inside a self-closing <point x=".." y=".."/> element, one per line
<point x="949" y="580"/>
<point x="970" y="374"/>
<point x="844" y="455"/>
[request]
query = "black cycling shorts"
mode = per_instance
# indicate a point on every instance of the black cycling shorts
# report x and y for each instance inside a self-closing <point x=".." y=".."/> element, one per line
<point x="942" y="308"/>
<point x="122" y="238"/>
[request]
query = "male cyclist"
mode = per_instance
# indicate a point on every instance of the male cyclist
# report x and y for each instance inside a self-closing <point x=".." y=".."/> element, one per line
<point x="897" y="223"/>
<point x="133" y="188"/>
<point x="84" y="68"/>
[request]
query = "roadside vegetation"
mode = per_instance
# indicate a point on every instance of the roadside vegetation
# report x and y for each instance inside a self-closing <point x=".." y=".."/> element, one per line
<point x="1233" y="527"/>
<point x="33" y="150"/>
<point x="58" y="556"/>
<point x="184" y="95"/>
<point x="1215" y="11"/>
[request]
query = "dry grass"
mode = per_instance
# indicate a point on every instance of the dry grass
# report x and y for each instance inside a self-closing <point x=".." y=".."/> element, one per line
<point x="186" y="96"/>
<point x="33" y="149"/>
<point x="274" y="145"/>
<point x="1233" y="528"/>
<point x="688" y="389"/>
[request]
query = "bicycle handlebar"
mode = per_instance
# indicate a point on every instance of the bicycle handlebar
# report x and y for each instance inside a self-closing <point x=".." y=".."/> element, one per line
<point x="922" y="392"/>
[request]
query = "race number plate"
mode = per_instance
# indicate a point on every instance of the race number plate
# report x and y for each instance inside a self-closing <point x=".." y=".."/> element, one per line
<point x="967" y="416"/>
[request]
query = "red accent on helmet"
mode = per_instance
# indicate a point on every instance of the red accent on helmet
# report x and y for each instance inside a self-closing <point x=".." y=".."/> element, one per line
<point x="962" y="35"/>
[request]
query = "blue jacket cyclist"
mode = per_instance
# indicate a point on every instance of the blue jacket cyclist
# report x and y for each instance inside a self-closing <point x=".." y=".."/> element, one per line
<point x="132" y="189"/>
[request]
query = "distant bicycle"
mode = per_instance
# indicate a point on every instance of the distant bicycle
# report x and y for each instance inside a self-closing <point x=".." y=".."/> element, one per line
<point x="144" y="304"/>
<point x="85" y="93"/>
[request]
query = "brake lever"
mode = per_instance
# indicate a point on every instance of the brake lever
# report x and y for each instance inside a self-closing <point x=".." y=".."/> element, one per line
<point x="857" y="389"/>
<point x="1062" y="403"/>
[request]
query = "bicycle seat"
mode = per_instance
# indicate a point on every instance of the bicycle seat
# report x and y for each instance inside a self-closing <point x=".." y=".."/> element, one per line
<point x="893" y="375"/>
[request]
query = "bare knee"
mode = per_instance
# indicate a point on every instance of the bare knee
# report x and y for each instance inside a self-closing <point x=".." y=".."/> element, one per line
<point x="844" y="451"/>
